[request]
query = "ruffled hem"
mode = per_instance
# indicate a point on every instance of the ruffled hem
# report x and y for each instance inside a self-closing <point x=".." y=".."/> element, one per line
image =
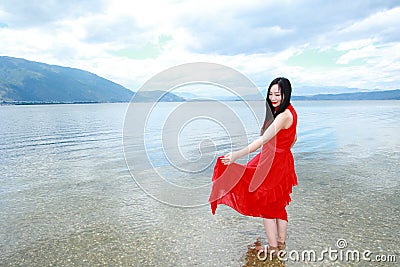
<point x="265" y="201"/>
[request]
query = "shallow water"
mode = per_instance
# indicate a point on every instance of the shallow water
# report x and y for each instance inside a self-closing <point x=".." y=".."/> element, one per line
<point x="67" y="196"/>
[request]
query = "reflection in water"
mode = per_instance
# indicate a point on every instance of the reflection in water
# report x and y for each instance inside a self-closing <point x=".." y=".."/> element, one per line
<point x="67" y="197"/>
<point x="260" y="259"/>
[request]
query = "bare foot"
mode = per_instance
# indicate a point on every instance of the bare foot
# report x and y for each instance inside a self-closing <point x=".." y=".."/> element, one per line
<point x="270" y="250"/>
<point x="258" y="245"/>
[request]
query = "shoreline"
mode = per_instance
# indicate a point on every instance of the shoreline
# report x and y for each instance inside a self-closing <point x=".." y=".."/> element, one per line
<point x="33" y="103"/>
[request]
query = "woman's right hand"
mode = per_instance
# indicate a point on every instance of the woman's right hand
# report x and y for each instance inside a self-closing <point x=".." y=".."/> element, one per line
<point x="229" y="158"/>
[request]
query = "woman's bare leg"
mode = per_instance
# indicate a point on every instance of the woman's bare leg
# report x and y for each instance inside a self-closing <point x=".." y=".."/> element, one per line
<point x="282" y="230"/>
<point x="271" y="230"/>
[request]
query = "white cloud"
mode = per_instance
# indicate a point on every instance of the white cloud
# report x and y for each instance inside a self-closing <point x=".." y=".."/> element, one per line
<point x="355" y="44"/>
<point x="382" y="25"/>
<point x="365" y="52"/>
<point x="254" y="37"/>
<point x="25" y="14"/>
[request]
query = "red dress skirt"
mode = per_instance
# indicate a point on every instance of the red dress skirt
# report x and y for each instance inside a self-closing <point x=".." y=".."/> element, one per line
<point x="262" y="187"/>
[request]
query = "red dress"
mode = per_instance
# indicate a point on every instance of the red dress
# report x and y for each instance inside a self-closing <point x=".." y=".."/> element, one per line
<point x="262" y="187"/>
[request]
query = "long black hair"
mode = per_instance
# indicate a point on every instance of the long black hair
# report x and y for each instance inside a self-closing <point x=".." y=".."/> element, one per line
<point x="286" y="92"/>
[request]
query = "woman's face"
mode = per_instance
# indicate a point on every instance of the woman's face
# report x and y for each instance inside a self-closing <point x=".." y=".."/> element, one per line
<point x="275" y="95"/>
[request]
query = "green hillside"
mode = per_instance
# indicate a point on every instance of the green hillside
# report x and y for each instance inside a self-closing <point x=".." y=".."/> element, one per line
<point x="27" y="81"/>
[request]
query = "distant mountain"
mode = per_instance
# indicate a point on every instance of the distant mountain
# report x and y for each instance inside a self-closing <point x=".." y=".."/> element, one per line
<point x="27" y="82"/>
<point x="186" y="95"/>
<point x="193" y="97"/>
<point x="157" y="95"/>
<point x="314" y="90"/>
<point x="375" y="95"/>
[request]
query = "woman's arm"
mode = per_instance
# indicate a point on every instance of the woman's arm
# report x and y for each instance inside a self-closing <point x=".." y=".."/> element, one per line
<point x="282" y="121"/>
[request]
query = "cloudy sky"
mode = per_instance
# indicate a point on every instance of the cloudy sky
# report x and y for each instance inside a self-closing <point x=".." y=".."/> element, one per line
<point x="313" y="43"/>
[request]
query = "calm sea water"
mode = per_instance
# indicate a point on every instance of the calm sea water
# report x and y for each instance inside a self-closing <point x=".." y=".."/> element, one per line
<point x="67" y="196"/>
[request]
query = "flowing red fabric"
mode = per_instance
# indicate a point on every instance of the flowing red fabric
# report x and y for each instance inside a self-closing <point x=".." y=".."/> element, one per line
<point x="262" y="187"/>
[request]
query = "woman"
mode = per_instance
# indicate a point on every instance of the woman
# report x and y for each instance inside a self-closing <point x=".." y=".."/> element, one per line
<point x="262" y="187"/>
